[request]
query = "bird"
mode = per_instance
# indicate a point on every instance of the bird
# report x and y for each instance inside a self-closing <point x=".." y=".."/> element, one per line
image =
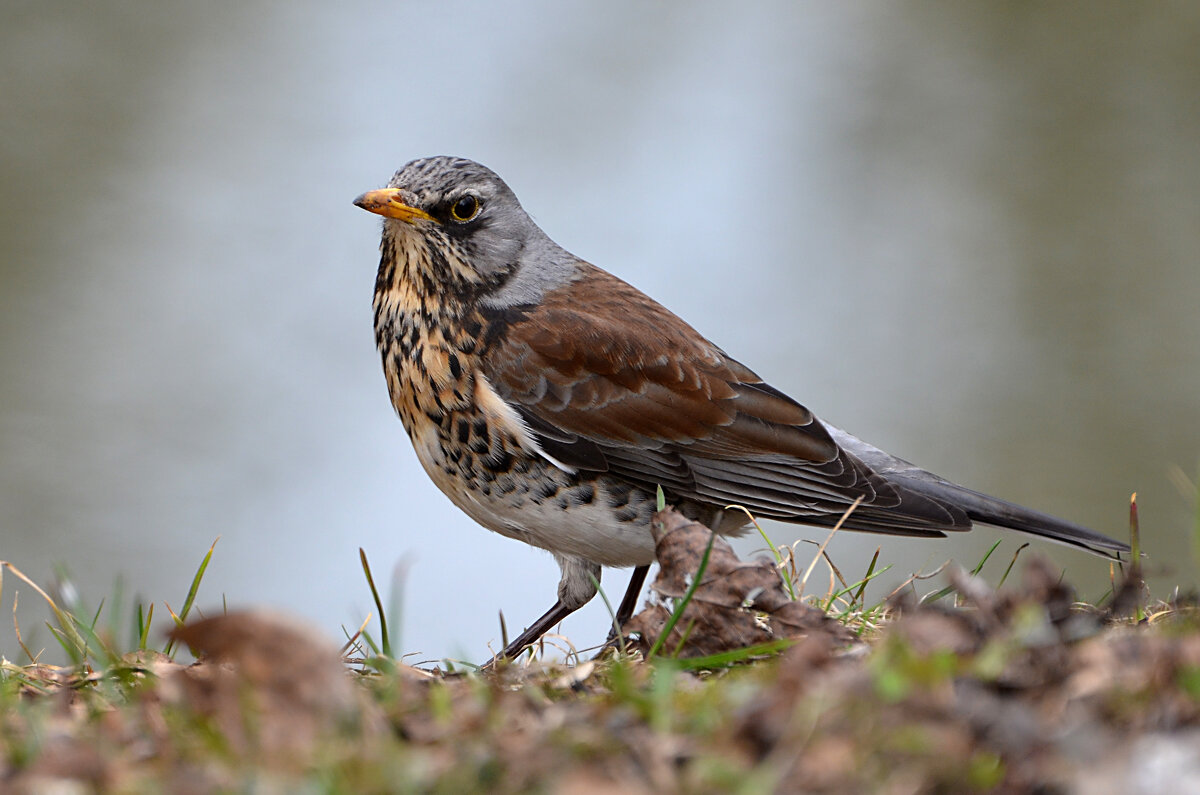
<point x="550" y="401"/>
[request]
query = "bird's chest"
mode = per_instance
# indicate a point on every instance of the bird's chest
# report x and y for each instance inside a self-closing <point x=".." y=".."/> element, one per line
<point x="428" y="357"/>
<point x="468" y="447"/>
<point x="460" y="428"/>
<point x="480" y="453"/>
<point x="431" y="384"/>
<point x="427" y="380"/>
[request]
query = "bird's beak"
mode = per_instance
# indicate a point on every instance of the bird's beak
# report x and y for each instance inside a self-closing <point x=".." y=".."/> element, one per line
<point x="387" y="202"/>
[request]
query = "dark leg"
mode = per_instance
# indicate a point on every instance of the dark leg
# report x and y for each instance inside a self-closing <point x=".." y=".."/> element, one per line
<point x="629" y="601"/>
<point x="533" y="634"/>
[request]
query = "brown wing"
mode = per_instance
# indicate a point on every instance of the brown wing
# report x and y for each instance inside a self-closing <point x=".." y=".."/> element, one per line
<point x="609" y="380"/>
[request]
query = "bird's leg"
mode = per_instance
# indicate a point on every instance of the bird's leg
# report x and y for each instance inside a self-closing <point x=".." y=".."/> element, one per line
<point x="576" y="587"/>
<point x="628" y="602"/>
<point x="534" y="633"/>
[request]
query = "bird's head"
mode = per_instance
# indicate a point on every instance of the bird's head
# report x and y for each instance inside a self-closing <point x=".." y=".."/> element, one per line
<point x="454" y="222"/>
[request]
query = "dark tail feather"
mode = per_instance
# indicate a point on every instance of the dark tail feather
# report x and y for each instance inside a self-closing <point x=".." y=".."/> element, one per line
<point x="993" y="511"/>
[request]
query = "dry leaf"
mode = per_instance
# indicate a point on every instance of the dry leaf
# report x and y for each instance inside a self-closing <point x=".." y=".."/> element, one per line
<point x="737" y="603"/>
<point x="268" y="682"/>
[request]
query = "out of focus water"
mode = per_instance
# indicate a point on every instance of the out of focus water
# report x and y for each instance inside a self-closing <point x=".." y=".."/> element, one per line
<point x="969" y="234"/>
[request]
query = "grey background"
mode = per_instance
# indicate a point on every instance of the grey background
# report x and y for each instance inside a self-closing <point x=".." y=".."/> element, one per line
<point x="968" y="233"/>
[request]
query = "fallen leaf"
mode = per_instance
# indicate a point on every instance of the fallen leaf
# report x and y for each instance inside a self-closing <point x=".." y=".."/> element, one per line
<point x="737" y="603"/>
<point x="271" y="684"/>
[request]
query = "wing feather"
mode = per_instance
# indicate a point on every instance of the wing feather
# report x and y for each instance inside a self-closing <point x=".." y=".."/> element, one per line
<point x="609" y="380"/>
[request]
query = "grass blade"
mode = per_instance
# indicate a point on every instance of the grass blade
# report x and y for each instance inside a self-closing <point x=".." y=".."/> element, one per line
<point x="1135" y="556"/>
<point x="383" y="627"/>
<point x="73" y="642"/>
<point x="683" y="602"/>
<point x="780" y="562"/>
<point x="858" y="596"/>
<point x="191" y="596"/>
<point x="725" y="659"/>
<point x="1012" y="563"/>
<point x="144" y="628"/>
<point x="825" y="543"/>
<point x="612" y="614"/>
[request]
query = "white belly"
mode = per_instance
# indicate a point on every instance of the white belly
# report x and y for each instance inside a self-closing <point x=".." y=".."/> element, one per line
<point x="594" y="530"/>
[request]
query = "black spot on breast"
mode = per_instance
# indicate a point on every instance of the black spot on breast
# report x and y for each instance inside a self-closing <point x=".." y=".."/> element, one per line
<point x="583" y="495"/>
<point x="455" y="366"/>
<point x="626" y="515"/>
<point x="481" y="441"/>
<point x="618" y="494"/>
<point x="502" y="461"/>
<point x="464" y="431"/>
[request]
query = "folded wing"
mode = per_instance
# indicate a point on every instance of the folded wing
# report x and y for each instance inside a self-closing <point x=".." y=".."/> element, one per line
<point x="609" y="380"/>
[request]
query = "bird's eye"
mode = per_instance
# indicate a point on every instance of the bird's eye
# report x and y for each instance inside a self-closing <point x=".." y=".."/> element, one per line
<point x="465" y="208"/>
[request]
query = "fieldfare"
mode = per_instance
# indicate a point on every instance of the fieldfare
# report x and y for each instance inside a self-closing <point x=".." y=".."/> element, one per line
<point x="549" y="400"/>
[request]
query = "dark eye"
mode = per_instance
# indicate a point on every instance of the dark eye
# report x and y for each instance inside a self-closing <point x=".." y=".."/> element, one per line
<point x="465" y="208"/>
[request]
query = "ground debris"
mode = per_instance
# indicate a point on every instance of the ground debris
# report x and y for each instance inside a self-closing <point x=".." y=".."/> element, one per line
<point x="1018" y="689"/>
<point x="737" y="604"/>
<point x="1014" y="690"/>
<point x="266" y="692"/>
<point x="272" y="685"/>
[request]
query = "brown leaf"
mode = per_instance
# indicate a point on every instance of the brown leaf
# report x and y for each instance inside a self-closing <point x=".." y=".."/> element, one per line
<point x="934" y="629"/>
<point x="269" y="682"/>
<point x="737" y="603"/>
<point x="765" y="719"/>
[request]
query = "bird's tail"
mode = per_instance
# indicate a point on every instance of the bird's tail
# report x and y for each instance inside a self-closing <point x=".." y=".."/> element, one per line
<point x="1001" y="513"/>
<point x="978" y="507"/>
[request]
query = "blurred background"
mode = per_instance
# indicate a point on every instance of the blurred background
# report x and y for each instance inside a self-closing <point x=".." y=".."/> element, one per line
<point x="968" y="233"/>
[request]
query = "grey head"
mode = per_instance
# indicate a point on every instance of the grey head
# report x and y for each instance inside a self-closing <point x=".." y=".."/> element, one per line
<point x="463" y="223"/>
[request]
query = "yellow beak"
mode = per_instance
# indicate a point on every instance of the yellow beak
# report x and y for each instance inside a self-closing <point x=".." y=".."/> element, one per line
<point x="386" y="202"/>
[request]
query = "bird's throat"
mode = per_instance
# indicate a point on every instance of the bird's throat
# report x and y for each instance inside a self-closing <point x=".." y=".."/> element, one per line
<point x="428" y="335"/>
